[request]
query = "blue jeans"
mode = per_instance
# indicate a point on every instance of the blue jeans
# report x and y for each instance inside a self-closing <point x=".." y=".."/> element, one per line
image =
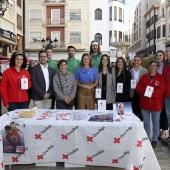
<point x="155" y="120"/>
<point x="167" y="108"/>
<point x="17" y="105"/>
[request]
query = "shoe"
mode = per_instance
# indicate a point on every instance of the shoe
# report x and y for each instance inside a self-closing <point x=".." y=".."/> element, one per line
<point x="166" y="141"/>
<point x="154" y="144"/>
<point x="159" y="138"/>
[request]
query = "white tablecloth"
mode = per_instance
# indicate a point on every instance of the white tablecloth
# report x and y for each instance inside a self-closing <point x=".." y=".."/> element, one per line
<point x="122" y="143"/>
<point x="1" y="152"/>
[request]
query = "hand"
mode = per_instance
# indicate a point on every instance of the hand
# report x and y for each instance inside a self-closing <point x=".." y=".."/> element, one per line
<point x="88" y="87"/>
<point x="46" y="96"/>
<point x="67" y="100"/>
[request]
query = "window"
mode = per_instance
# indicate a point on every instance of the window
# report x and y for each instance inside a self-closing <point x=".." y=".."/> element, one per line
<point x="19" y="3"/>
<point x="159" y="32"/>
<point x="169" y="14"/>
<point x="115" y="13"/>
<point x="55" y="34"/>
<point x="163" y="31"/>
<point x="162" y="12"/>
<point x="35" y="15"/>
<point x="98" y="14"/>
<point x="75" y="14"/>
<point x="110" y="37"/>
<point x="35" y="37"/>
<point x="115" y="36"/>
<point x="55" y="16"/>
<point x="120" y="14"/>
<point x="110" y="13"/>
<point x="120" y="36"/>
<point x="169" y="29"/>
<point x="19" y="22"/>
<point x="11" y="5"/>
<point x="75" y="37"/>
<point x="98" y="38"/>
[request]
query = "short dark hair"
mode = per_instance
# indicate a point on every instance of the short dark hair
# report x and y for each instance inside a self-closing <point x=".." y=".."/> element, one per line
<point x="70" y="46"/>
<point x="13" y="57"/>
<point x="60" y="62"/>
<point x="137" y="56"/>
<point x="168" y="45"/>
<point x="40" y="52"/>
<point x="154" y="61"/>
<point x="48" y="48"/>
<point x="7" y="127"/>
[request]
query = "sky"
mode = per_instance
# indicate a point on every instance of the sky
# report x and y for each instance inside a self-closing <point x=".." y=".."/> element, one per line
<point x="129" y="9"/>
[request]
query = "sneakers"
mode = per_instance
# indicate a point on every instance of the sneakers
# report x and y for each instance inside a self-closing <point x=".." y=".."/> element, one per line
<point x="154" y="144"/>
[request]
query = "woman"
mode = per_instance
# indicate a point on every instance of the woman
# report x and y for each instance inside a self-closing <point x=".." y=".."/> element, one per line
<point x="151" y="100"/>
<point x="15" y="82"/>
<point x="107" y="81"/>
<point x="87" y="80"/>
<point x="123" y="77"/>
<point x="65" y="87"/>
<point x="160" y="57"/>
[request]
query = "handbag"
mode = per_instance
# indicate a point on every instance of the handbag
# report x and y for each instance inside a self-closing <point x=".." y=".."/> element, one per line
<point x="72" y="103"/>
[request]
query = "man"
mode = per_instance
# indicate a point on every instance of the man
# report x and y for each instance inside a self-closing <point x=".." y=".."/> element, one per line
<point x="42" y="82"/>
<point x="166" y="74"/>
<point x="95" y="54"/>
<point x="53" y="64"/>
<point x="50" y="62"/>
<point x="137" y="72"/>
<point x="72" y="63"/>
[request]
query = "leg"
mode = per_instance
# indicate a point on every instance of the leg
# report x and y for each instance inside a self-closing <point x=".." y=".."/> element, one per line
<point x="155" y="121"/>
<point x="53" y="101"/>
<point x="47" y="103"/>
<point x="39" y="104"/>
<point x="13" y="106"/>
<point x="81" y="98"/>
<point x="167" y="109"/>
<point x="146" y="118"/>
<point x="23" y="105"/>
<point x="109" y="106"/>
<point x="60" y="104"/>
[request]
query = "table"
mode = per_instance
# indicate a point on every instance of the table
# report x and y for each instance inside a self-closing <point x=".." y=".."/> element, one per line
<point x="1" y="152"/>
<point x="122" y="143"/>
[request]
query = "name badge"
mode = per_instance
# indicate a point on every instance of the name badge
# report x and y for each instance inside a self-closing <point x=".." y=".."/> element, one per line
<point x="119" y="87"/>
<point x="101" y="105"/>
<point x="98" y="92"/>
<point x="149" y="91"/>
<point x="133" y="84"/>
<point x="24" y="83"/>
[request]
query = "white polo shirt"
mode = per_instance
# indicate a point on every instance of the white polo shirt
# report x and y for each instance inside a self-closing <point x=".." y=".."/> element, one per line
<point x="136" y="74"/>
<point x="46" y="76"/>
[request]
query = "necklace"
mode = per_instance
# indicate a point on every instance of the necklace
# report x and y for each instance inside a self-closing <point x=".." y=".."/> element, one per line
<point x="86" y="71"/>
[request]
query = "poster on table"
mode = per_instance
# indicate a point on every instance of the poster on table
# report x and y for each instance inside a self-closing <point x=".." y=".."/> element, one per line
<point x="13" y="138"/>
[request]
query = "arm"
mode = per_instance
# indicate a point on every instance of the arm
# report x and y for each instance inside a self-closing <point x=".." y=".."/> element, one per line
<point x="114" y="81"/>
<point x="126" y="84"/>
<point x="29" y="81"/>
<point x="74" y="89"/>
<point x="141" y="87"/>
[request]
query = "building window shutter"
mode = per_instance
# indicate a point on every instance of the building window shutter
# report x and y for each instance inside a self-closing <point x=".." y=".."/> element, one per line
<point x="55" y="16"/>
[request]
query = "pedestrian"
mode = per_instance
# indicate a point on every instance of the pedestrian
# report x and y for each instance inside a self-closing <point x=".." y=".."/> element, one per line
<point x="42" y="82"/>
<point x="87" y="80"/>
<point x="151" y="88"/>
<point x="64" y="86"/>
<point x="15" y="83"/>
<point x="107" y="81"/>
<point x="123" y="80"/>
<point x="160" y="57"/>
<point x="136" y="72"/>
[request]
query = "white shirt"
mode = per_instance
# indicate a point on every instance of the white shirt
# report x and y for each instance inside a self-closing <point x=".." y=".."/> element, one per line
<point x="46" y="76"/>
<point x="136" y="74"/>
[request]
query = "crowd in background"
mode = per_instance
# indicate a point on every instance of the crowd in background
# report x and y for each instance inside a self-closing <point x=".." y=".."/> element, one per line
<point x="72" y="82"/>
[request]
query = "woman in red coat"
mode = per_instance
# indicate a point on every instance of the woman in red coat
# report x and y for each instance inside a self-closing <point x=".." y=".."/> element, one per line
<point x="15" y="82"/>
<point x="151" y="89"/>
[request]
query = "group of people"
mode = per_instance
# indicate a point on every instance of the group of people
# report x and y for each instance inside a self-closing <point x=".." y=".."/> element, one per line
<point x="73" y="82"/>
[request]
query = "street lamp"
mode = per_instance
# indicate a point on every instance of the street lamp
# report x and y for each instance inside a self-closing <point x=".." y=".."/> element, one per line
<point x="49" y="42"/>
<point x="3" y="7"/>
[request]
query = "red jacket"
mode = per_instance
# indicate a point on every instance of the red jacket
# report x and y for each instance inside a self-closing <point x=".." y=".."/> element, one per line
<point x="11" y="86"/>
<point x="155" y="103"/>
<point x="166" y="74"/>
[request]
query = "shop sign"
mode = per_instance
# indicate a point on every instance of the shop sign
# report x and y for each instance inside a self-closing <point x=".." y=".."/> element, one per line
<point x="7" y="34"/>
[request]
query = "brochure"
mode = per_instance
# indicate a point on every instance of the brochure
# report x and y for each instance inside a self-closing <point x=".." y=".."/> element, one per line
<point x="101" y="118"/>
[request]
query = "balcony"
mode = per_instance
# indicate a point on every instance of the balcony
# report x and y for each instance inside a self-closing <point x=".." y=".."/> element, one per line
<point x="54" y="2"/>
<point x="48" y="22"/>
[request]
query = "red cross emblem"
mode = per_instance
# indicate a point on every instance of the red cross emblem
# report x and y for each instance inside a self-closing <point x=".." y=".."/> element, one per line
<point x="115" y="161"/>
<point x="64" y="137"/>
<point x="89" y="159"/>
<point x="135" y="168"/>
<point x="65" y="156"/>
<point x="15" y="159"/>
<point x="37" y="136"/>
<point x="40" y="157"/>
<point x="2" y="164"/>
<point x="15" y="118"/>
<point x="139" y="143"/>
<point x="89" y="138"/>
<point x="116" y="140"/>
<point x="117" y="120"/>
<point x="101" y="103"/>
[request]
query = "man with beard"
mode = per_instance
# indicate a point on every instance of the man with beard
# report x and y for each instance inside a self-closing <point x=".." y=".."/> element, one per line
<point x="95" y="53"/>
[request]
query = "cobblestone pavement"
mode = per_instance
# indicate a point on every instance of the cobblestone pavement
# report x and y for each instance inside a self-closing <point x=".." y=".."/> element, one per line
<point x="161" y="151"/>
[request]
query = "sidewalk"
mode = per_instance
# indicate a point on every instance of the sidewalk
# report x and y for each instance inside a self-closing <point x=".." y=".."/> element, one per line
<point x="161" y="151"/>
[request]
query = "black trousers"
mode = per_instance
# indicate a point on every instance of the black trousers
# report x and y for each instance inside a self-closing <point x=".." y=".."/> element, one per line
<point x="62" y="105"/>
<point x="53" y="101"/>
<point x="163" y="119"/>
<point x="135" y="106"/>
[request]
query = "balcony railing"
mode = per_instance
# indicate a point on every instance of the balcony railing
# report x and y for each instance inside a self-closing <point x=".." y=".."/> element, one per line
<point x="54" y="1"/>
<point x="160" y="17"/>
<point x="57" y="22"/>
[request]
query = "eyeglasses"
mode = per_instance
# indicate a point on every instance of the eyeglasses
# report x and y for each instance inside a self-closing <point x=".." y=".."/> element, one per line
<point x="32" y="63"/>
<point x="42" y="56"/>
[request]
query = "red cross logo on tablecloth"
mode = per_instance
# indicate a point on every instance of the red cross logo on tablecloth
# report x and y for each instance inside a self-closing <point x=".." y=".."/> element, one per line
<point x="135" y="168"/>
<point x="89" y="138"/>
<point x="40" y="157"/>
<point x="37" y="136"/>
<point x="64" y="137"/>
<point x="115" y="161"/>
<point x="65" y="156"/>
<point x="15" y="159"/>
<point x="15" y="118"/>
<point x="117" y="120"/>
<point x="139" y="143"/>
<point x="116" y="140"/>
<point x="89" y="159"/>
<point x="2" y="164"/>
